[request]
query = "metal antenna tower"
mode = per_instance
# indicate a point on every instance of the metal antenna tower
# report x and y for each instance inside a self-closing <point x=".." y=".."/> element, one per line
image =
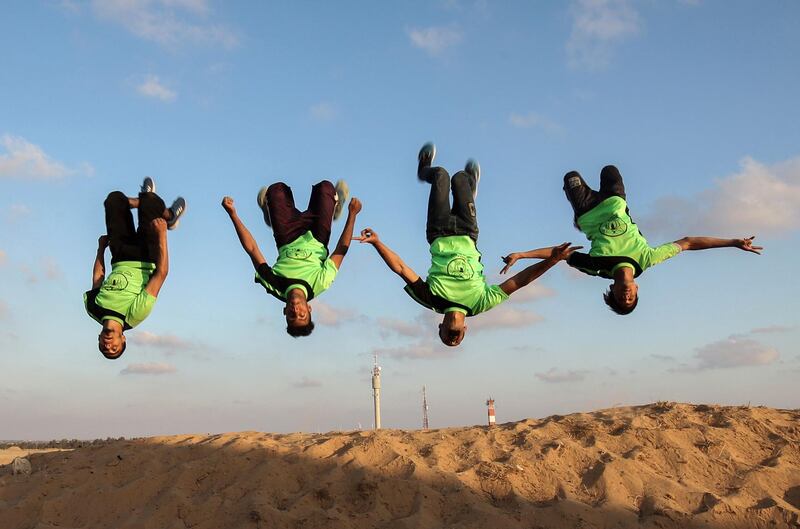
<point x="424" y="409"/>
<point x="376" y="392"/>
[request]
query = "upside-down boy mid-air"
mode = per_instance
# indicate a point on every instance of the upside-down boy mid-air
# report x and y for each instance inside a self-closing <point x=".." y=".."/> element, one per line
<point x="456" y="286"/>
<point x="139" y="264"/>
<point x="619" y="251"/>
<point x="303" y="269"/>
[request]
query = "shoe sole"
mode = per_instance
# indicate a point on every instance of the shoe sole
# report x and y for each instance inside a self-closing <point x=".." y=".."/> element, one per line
<point x="342" y="194"/>
<point x="153" y="188"/>
<point x="175" y="224"/>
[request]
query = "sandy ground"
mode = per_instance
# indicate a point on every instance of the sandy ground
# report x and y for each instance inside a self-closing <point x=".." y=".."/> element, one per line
<point x="658" y="466"/>
<point x="9" y="454"/>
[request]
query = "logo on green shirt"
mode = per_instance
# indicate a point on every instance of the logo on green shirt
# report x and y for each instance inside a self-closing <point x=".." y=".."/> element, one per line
<point x="614" y="227"/>
<point x="116" y="281"/>
<point x="298" y="253"/>
<point x="460" y="268"/>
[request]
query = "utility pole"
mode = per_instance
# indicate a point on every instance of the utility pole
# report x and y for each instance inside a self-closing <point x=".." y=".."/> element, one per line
<point x="424" y="409"/>
<point x="376" y="392"/>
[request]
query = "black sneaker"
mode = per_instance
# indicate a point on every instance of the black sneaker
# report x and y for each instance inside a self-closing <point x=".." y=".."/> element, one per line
<point x="473" y="168"/>
<point x="148" y="185"/>
<point x="178" y="208"/>
<point x="342" y="194"/>
<point x="426" y="155"/>
<point x="261" y="198"/>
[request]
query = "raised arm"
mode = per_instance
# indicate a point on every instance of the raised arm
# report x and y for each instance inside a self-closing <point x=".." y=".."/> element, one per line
<point x="347" y="233"/>
<point x="539" y="253"/>
<point x="99" y="268"/>
<point x="704" y="243"/>
<point x="153" y="287"/>
<point x="245" y="237"/>
<point x="391" y="259"/>
<point x="531" y="273"/>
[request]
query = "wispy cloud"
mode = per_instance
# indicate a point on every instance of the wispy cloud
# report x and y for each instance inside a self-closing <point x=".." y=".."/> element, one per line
<point x="773" y="329"/>
<point x="52" y="270"/>
<point x="760" y="199"/>
<point x="305" y="383"/>
<point x="17" y="211"/>
<point x="435" y="39"/>
<point x="161" y="341"/>
<point x="28" y="161"/>
<point x="598" y="26"/>
<point x="323" y="111"/>
<point x="418" y="351"/>
<point x="153" y="87"/>
<point x="151" y="368"/>
<point x="558" y="376"/>
<point x="735" y="351"/>
<point x="503" y="317"/>
<point x="532" y="120"/>
<point x="388" y="326"/>
<point x="170" y="23"/>
<point x="663" y="358"/>
<point x="331" y="316"/>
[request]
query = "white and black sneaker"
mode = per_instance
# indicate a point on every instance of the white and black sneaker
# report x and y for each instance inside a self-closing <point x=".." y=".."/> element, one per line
<point x="426" y="155"/>
<point x="342" y="194"/>
<point x="261" y="198"/>
<point x="148" y="185"/>
<point x="178" y="208"/>
<point x="473" y="168"/>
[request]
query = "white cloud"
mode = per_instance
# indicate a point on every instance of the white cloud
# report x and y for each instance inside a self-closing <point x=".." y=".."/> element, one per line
<point x="164" y="341"/>
<point x="532" y="120"/>
<point x="167" y="22"/>
<point x="323" y="111"/>
<point x="152" y="87"/>
<point x="556" y="376"/>
<point x="332" y="316"/>
<point x="503" y="317"/>
<point x="773" y="329"/>
<point x="151" y="368"/>
<point x="418" y="351"/>
<point x="17" y="211"/>
<point x="25" y="160"/>
<point x="435" y="40"/>
<point x="735" y="351"/>
<point x="597" y="27"/>
<point x="760" y="199"/>
<point x="400" y="327"/>
<point x="306" y="382"/>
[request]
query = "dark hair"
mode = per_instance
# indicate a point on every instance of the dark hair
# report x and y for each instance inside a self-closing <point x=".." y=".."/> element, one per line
<point x="300" y="330"/>
<point x="114" y="357"/>
<point x="612" y="303"/>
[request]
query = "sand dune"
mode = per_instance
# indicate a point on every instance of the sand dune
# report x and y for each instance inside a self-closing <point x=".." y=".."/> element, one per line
<point x="656" y="466"/>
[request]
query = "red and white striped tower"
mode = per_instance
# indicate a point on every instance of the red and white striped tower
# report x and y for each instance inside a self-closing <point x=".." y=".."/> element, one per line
<point x="490" y="404"/>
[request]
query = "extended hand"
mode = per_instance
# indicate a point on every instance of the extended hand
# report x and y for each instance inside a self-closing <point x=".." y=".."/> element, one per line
<point x="159" y="227"/>
<point x="355" y="206"/>
<point x="368" y="236"/>
<point x="509" y="260"/>
<point x="747" y="245"/>
<point x="227" y="204"/>
<point x="563" y="251"/>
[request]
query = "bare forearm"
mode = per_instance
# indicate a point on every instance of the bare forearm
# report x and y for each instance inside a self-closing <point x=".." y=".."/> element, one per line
<point x="705" y="243"/>
<point x="162" y="263"/>
<point x="99" y="268"/>
<point x="391" y="259"/>
<point x="245" y="237"/>
<point x="347" y="235"/>
<point x="539" y="253"/>
<point x="528" y="275"/>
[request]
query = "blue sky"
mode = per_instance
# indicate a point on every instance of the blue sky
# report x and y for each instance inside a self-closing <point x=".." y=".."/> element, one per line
<point x="694" y="101"/>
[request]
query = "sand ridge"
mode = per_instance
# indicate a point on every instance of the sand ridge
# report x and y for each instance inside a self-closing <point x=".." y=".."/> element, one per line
<point x="658" y="466"/>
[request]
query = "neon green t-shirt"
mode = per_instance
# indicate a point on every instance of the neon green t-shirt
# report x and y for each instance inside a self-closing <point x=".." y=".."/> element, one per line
<point x="456" y="275"/>
<point x="304" y="258"/>
<point x="122" y="296"/>
<point x="613" y="233"/>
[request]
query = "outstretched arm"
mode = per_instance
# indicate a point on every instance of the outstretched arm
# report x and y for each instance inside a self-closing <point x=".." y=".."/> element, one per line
<point x="704" y="243"/>
<point x="531" y="273"/>
<point x="347" y="233"/>
<point x="245" y="237"/>
<point x="159" y="226"/>
<point x="391" y="259"/>
<point x="99" y="268"/>
<point x="539" y="253"/>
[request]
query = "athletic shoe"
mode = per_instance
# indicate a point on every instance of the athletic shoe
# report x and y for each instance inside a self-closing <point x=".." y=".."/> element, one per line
<point x="178" y="208"/>
<point x="426" y="155"/>
<point x="148" y="185"/>
<point x="261" y="198"/>
<point x="474" y="168"/>
<point x="342" y="194"/>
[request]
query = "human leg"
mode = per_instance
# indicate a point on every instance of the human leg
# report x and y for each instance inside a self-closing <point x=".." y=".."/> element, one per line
<point x="581" y="197"/>
<point x="287" y="222"/>
<point x="439" y="212"/>
<point x="611" y="184"/>
<point x="463" y="185"/>
<point x="122" y="236"/>
<point x="320" y="210"/>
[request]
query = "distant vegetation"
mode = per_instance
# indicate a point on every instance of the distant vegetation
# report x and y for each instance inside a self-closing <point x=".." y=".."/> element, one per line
<point x="63" y="443"/>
